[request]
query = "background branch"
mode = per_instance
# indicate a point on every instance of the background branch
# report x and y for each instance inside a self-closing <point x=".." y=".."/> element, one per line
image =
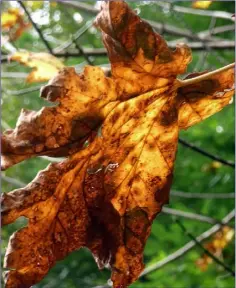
<point x="202" y="195"/>
<point x="187" y="247"/>
<point x="201" y="12"/>
<point x="205" y="153"/>
<point x="198" y="243"/>
<point x="189" y="215"/>
<point x="36" y="27"/>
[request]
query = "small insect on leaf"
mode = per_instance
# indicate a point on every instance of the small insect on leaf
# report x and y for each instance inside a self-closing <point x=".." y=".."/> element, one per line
<point x="112" y="185"/>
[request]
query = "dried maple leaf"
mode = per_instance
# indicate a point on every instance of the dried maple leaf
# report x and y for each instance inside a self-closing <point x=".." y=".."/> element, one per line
<point x="105" y="196"/>
<point x="12" y="22"/>
<point x="220" y="240"/>
<point x="45" y="65"/>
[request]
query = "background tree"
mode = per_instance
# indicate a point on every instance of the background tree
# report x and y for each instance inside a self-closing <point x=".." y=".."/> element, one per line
<point x="200" y="181"/>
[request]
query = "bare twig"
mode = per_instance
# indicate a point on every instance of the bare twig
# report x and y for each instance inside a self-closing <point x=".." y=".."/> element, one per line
<point x="190" y="195"/>
<point x="52" y="159"/>
<point x="200" y="12"/>
<point x="160" y="27"/>
<point x="90" y="62"/>
<point x="15" y="75"/>
<point x="12" y="181"/>
<point x="205" y="153"/>
<point x="36" y="27"/>
<point x="187" y="247"/>
<point x="198" y="243"/>
<point x="216" y="30"/>
<point x="22" y="91"/>
<point x="79" y="5"/>
<point x="5" y="125"/>
<point x="199" y="46"/>
<point x="188" y="215"/>
<point x="74" y="37"/>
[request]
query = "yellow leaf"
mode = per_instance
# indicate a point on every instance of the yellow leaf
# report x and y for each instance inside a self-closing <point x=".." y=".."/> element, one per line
<point x="45" y="65"/>
<point x="13" y="22"/>
<point x="10" y="18"/>
<point x="220" y="240"/>
<point x="201" y="4"/>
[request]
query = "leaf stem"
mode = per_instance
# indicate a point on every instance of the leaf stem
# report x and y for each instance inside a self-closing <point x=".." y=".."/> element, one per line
<point x="205" y="76"/>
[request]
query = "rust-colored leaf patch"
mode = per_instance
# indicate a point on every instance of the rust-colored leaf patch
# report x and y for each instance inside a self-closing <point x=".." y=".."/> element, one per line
<point x="112" y="185"/>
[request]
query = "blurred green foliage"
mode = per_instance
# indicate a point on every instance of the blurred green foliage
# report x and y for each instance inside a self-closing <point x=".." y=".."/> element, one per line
<point x="193" y="171"/>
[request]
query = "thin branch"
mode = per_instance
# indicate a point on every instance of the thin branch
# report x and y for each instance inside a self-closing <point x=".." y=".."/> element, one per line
<point x="90" y="62"/>
<point x="52" y="159"/>
<point x="205" y="76"/>
<point x="218" y="261"/>
<point x="205" y="153"/>
<point x="202" y="195"/>
<point x="160" y="27"/>
<point x="12" y="181"/>
<point x="74" y="37"/>
<point x="16" y="75"/>
<point x="22" y="91"/>
<point x="5" y="125"/>
<point x="187" y="247"/>
<point x="36" y="27"/>
<point x="199" y="46"/>
<point x="169" y="29"/>
<point x="216" y="30"/>
<point x="79" y="5"/>
<point x="188" y="215"/>
<point x="196" y="46"/>
<point x="200" y="12"/>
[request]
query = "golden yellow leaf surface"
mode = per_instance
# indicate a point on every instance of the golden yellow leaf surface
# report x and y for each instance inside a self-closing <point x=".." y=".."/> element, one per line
<point x="201" y="4"/>
<point x="201" y="100"/>
<point x="45" y="65"/>
<point x="9" y="18"/>
<point x="63" y="129"/>
<point x="106" y="195"/>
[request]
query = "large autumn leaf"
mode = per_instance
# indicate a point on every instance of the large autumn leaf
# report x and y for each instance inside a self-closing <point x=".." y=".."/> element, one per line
<point x="106" y="195"/>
